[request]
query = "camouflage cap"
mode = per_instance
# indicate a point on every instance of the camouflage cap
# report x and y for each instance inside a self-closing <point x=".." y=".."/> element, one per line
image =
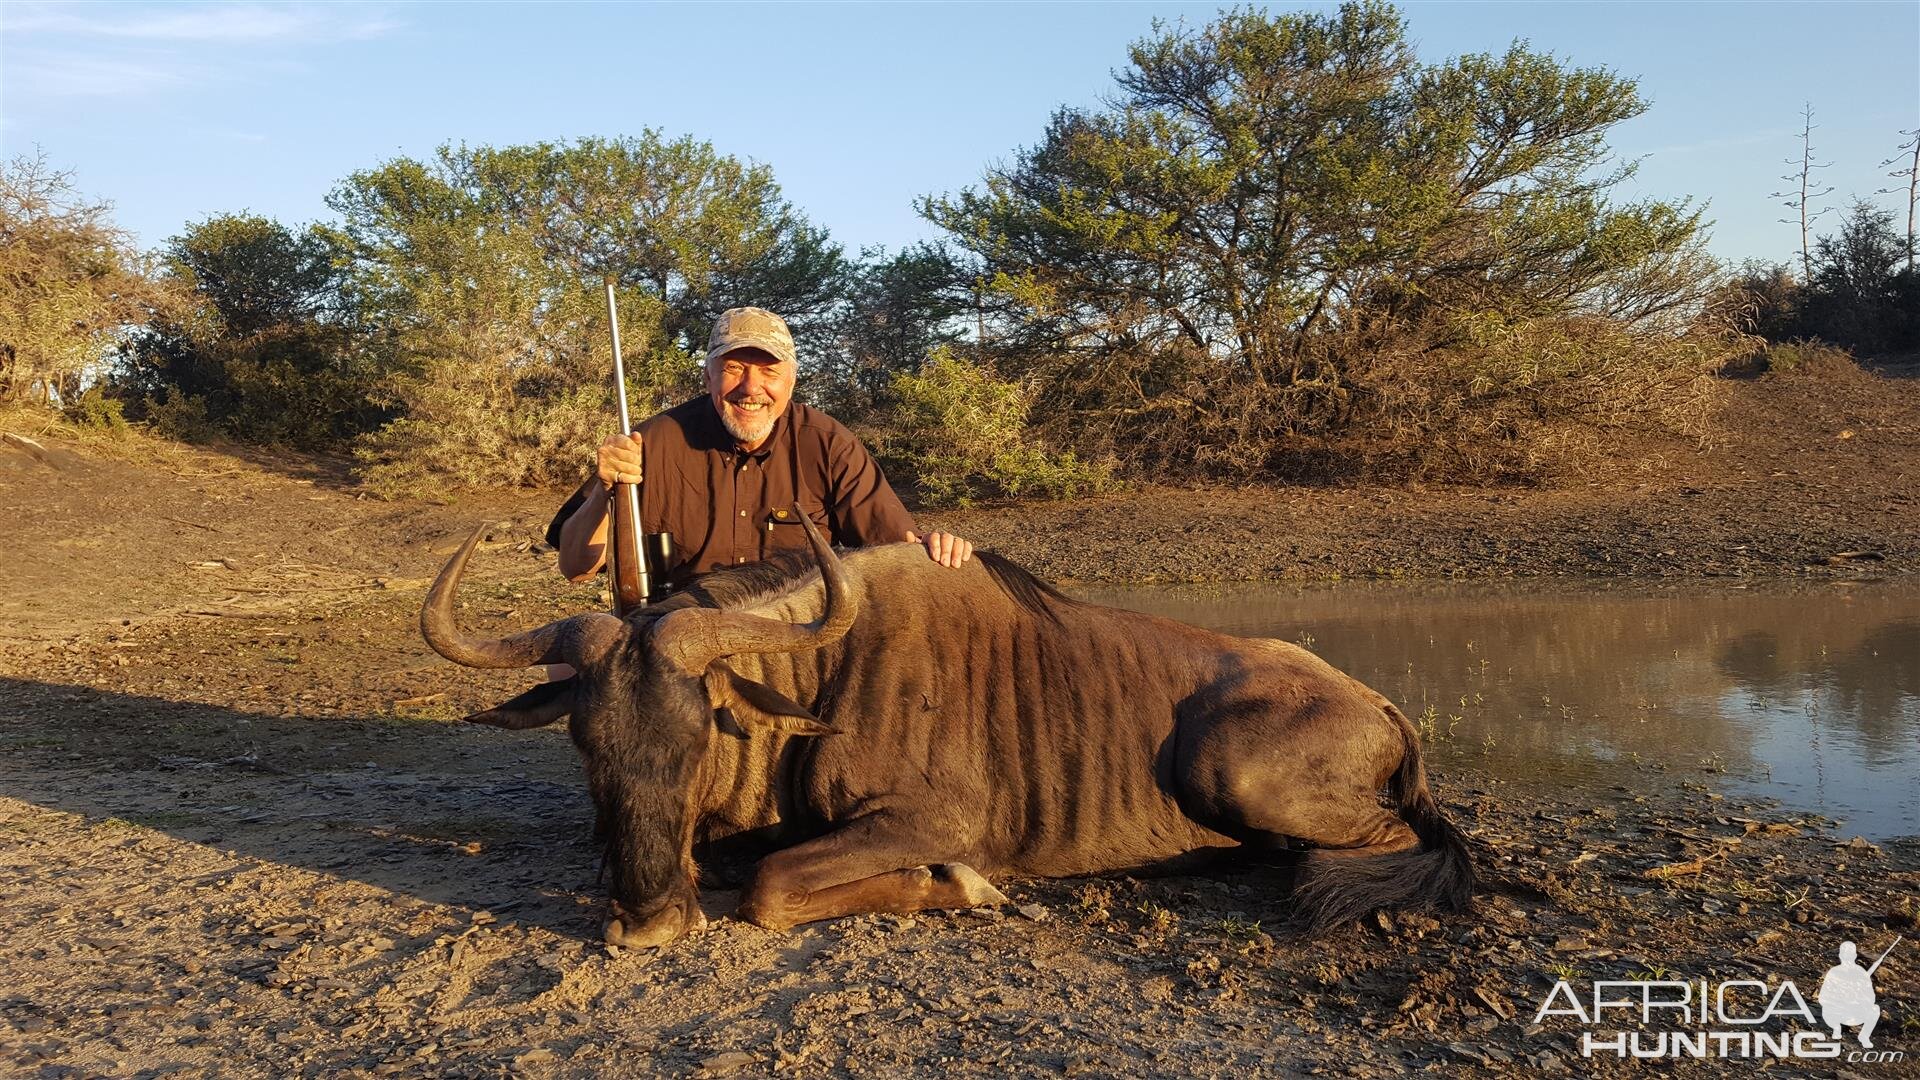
<point x="750" y="328"/>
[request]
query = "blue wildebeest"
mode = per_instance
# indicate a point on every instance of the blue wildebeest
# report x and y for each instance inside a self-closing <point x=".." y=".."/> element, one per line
<point x="893" y="733"/>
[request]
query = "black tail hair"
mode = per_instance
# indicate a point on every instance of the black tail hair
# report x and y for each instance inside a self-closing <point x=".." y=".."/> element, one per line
<point x="1334" y="889"/>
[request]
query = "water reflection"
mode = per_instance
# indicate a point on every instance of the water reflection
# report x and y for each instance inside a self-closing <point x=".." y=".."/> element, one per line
<point x="1810" y="694"/>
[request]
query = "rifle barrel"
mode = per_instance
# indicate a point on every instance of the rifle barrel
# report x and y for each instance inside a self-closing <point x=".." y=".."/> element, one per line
<point x="1883" y="956"/>
<point x="619" y="365"/>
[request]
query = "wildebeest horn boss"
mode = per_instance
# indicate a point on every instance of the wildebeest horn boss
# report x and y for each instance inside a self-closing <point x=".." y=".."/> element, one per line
<point x="981" y="723"/>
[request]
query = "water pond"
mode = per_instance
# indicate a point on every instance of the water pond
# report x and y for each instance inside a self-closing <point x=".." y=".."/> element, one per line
<point x="1808" y="692"/>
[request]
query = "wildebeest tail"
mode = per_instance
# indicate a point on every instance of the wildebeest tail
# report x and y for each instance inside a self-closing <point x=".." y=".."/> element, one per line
<point x="1336" y="888"/>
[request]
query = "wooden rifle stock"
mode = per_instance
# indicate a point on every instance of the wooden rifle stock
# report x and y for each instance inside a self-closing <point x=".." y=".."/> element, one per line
<point x="626" y="550"/>
<point x="628" y="562"/>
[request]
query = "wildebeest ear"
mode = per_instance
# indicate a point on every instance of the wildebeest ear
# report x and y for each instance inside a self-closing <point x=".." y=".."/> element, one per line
<point x="753" y="703"/>
<point x="537" y="707"/>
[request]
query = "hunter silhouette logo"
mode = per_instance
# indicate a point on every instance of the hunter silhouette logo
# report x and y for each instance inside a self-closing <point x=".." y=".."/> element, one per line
<point x="1736" y="1018"/>
<point x="1846" y="994"/>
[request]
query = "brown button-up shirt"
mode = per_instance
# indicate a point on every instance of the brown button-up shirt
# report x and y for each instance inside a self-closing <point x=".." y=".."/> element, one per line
<point x="724" y="506"/>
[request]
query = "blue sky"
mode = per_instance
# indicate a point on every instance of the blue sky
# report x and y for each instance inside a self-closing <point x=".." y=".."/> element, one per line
<point x="177" y="111"/>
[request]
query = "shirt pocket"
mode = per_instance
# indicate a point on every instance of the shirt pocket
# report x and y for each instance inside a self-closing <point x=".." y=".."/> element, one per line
<point x="784" y="531"/>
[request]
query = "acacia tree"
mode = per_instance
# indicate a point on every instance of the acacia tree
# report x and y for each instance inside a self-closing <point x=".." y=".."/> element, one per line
<point x="267" y="346"/>
<point x="71" y="284"/>
<point x="1264" y="188"/>
<point x="898" y="309"/>
<point x="487" y="262"/>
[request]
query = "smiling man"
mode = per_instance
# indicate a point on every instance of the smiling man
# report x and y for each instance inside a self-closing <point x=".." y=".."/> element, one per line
<point x="723" y="471"/>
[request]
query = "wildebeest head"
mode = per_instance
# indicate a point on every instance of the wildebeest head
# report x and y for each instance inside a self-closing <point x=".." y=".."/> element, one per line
<point x="643" y="704"/>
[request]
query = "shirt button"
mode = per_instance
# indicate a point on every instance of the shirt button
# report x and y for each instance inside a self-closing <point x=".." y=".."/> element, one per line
<point x="742" y="558"/>
<point x="743" y="513"/>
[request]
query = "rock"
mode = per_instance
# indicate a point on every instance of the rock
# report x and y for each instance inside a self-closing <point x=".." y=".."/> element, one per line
<point x="1035" y="912"/>
<point x="722" y="1064"/>
<point x="539" y="1055"/>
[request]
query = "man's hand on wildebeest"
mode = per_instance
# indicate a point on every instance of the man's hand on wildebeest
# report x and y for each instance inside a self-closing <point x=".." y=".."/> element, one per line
<point x="619" y="459"/>
<point x="944" y="548"/>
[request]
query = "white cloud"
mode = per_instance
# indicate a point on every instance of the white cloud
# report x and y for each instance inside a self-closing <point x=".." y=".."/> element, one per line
<point x="80" y="75"/>
<point x="122" y="50"/>
<point x="203" y="23"/>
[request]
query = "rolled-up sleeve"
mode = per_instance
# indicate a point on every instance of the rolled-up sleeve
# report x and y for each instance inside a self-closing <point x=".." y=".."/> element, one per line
<point x="864" y="507"/>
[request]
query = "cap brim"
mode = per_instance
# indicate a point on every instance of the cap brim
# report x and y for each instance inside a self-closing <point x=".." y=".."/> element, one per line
<point x="779" y="350"/>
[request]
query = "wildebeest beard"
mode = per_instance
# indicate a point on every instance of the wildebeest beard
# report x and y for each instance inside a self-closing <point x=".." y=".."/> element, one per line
<point x="641" y="758"/>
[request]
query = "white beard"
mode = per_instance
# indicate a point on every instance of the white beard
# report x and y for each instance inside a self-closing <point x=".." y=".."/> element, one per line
<point x="748" y="431"/>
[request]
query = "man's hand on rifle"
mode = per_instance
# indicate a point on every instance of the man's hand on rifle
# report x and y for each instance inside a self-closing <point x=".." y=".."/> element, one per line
<point x="619" y="460"/>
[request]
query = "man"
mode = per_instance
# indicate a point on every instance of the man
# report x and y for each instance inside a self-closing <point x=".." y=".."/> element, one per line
<point x="1846" y="995"/>
<point x="723" y="472"/>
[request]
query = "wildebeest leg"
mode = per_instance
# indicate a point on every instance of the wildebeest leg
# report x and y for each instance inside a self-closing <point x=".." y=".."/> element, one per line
<point x="902" y="892"/>
<point x="874" y="863"/>
<point x="1312" y="773"/>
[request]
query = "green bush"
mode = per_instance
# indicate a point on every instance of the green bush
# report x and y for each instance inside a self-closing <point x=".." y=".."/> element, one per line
<point x="1811" y="358"/>
<point x="461" y="437"/>
<point x="962" y="434"/>
<point x="181" y="416"/>
<point x="94" y="409"/>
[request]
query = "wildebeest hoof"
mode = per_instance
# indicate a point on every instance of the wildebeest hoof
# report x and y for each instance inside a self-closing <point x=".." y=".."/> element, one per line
<point x="972" y="889"/>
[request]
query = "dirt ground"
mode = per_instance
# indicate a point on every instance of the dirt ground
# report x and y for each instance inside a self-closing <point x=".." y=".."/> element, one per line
<point x="242" y="833"/>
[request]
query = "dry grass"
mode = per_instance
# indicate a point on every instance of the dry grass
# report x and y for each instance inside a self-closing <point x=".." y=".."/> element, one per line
<point x="131" y="443"/>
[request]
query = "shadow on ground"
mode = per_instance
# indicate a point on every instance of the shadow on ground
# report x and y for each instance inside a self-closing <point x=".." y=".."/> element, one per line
<point x="449" y="814"/>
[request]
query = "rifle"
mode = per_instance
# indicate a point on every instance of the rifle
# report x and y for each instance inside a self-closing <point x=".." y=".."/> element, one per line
<point x="626" y="554"/>
<point x="1883" y="956"/>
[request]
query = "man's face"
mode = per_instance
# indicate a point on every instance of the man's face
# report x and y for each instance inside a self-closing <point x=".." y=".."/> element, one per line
<point x="750" y="388"/>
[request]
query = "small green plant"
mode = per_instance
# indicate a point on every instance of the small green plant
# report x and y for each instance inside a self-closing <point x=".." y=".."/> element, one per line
<point x="1235" y="928"/>
<point x="1158" y="919"/>
<point x="1432" y="730"/>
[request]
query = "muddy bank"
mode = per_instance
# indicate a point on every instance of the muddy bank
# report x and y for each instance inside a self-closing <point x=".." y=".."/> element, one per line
<point x="1793" y="476"/>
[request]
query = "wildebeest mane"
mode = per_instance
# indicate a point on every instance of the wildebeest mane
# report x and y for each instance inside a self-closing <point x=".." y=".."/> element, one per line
<point x="754" y="583"/>
<point x="1031" y="593"/>
<point x="744" y="586"/>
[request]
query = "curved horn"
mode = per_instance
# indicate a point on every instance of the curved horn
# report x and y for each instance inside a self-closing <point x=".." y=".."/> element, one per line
<point x="438" y="626"/>
<point x="692" y="638"/>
